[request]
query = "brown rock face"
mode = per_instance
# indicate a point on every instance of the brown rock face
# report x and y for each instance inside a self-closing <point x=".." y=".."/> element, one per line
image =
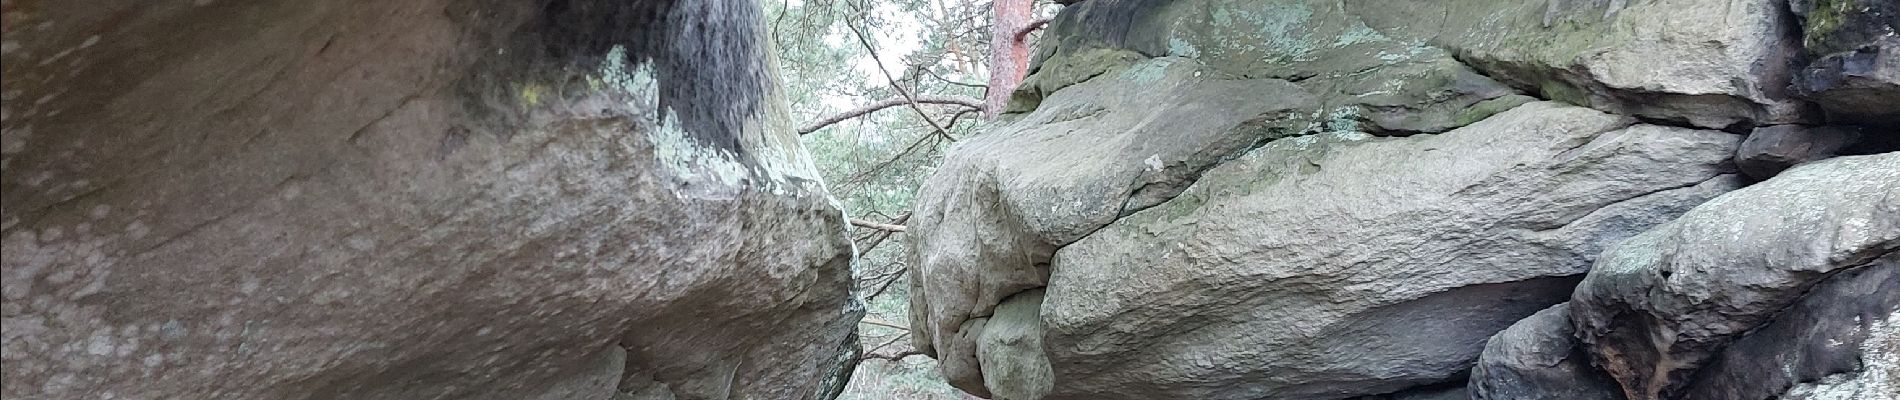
<point x="409" y="199"/>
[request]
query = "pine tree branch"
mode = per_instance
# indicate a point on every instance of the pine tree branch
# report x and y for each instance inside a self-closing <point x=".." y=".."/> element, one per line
<point x="873" y="353"/>
<point x="1023" y="34"/>
<point x="912" y="101"/>
<point x="814" y="126"/>
<point x="885" y="234"/>
<point x="933" y="74"/>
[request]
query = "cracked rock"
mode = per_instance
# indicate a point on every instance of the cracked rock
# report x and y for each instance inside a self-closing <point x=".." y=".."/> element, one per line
<point x="1662" y="304"/>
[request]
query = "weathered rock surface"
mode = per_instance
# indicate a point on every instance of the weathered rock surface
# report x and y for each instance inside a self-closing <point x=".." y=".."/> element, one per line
<point x="1089" y="155"/>
<point x="1363" y="80"/>
<point x="1821" y="335"/>
<point x="1341" y="265"/>
<point x="1855" y="45"/>
<point x="1663" y="304"/>
<point x="1769" y="150"/>
<point x="1710" y="63"/>
<point x="1878" y="377"/>
<point x="1245" y="308"/>
<point x="1539" y="358"/>
<point x="1311" y="255"/>
<point x="1011" y="344"/>
<point x="413" y="199"/>
<point x="1441" y="392"/>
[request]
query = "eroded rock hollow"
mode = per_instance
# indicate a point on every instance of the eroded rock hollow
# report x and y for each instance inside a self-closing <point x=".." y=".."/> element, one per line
<point x="556" y="199"/>
<point x="1520" y="199"/>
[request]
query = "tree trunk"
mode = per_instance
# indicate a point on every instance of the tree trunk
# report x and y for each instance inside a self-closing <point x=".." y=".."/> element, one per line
<point x="1009" y="52"/>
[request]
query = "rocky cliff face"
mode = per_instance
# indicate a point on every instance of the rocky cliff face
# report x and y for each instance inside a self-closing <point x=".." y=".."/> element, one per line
<point x="1288" y="199"/>
<point x="452" y="199"/>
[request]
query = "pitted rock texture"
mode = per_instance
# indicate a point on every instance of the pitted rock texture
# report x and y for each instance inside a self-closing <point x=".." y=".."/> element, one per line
<point x="1820" y="336"/>
<point x="1095" y="152"/>
<point x="1878" y="377"/>
<point x="1661" y="305"/>
<point x="415" y="199"/>
<point x="1256" y="280"/>
<point x="1363" y="80"/>
<point x="1709" y="63"/>
<point x="1324" y="259"/>
<point x="1342" y="265"/>
<point x="1539" y="358"/>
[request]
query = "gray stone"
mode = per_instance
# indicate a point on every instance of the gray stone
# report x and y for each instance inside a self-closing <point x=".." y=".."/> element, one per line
<point x="1011" y="350"/>
<point x="1278" y="273"/>
<point x="1769" y="150"/>
<point x="1364" y="80"/>
<point x="408" y="200"/>
<point x="1855" y="45"/>
<point x="1661" y="304"/>
<point x="1710" y="63"/>
<point x="1878" y="377"/>
<point x="1341" y="265"/>
<point x="1539" y="358"/>
<point x="986" y="223"/>
<point x="1857" y="86"/>
<point x="1821" y="335"/>
<point x="1436" y="392"/>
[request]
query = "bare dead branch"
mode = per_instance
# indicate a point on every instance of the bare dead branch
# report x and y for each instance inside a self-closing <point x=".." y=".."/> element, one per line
<point x="1023" y="34"/>
<point x="885" y="233"/>
<point x="900" y="356"/>
<point x="886" y="284"/>
<point x="878" y="322"/>
<point x="859" y="178"/>
<point x="873" y="353"/>
<point x="886" y="272"/>
<point x="814" y="126"/>
<point x="959" y="115"/>
<point x="877" y="225"/>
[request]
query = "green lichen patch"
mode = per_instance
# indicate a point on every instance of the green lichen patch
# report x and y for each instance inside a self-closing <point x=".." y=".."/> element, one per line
<point x="1823" y="21"/>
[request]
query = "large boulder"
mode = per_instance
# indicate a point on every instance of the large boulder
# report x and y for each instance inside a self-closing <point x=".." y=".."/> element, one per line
<point x="1326" y="266"/>
<point x="1664" y="304"/>
<point x="985" y="227"/>
<point x="414" y="199"/>
<point x="1132" y="102"/>
<point x="1362" y="80"/>
<point x="1362" y="219"/>
<point x="1710" y="63"/>
<point x="1539" y="358"/>
<point x="1341" y="265"/>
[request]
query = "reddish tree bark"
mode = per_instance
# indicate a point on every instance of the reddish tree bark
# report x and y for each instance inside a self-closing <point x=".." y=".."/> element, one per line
<point x="1009" y="51"/>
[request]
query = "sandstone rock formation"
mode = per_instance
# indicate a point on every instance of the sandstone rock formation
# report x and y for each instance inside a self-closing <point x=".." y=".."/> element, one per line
<point x="1538" y="358"/>
<point x="559" y="199"/>
<point x="1710" y="63"/>
<point x="1842" y="331"/>
<point x="1348" y="199"/>
<point x="1657" y="308"/>
<point x="1769" y="150"/>
<point x="1408" y="252"/>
